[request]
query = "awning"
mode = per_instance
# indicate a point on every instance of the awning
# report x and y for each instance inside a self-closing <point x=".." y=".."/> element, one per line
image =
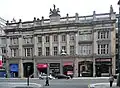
<point x="68" y="63"/>
<point x="42" y="65"/>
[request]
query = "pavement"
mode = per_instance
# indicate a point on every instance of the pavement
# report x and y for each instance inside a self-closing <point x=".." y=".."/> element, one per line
<point x="102" y="85"/>
<point x="72" y="78"/>
<point x="77" y="82"/>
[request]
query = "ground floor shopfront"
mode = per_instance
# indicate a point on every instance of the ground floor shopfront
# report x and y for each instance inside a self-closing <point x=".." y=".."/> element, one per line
<point x="75" y="66"/>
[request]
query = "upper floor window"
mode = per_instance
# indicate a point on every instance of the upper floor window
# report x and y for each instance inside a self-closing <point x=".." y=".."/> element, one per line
<point x="84" y="37"/>
<point x="55" y="38"/>
<point x="28" y="40"/>
<point x="103" y="48"/>
<point x="55" y="50"/>
<point x="63" y="38"/>
<point x="72" y="50"/>
<point x="47" y="51"/>
<point x="103" y="34"/>
<point x="72" y="37"/>
<point x="28" y="51"/>
<point x="40" y="39"/>
<point x="14" y="40"/>
<point x="3" y="50"/>
<point x="47" y="39"/>
<point x="64" y="48"/>
<point x="14" y="52"/>
<point x="39" y="51"/>
<point x="85" y="49"/>
<point x="3" y="40"/>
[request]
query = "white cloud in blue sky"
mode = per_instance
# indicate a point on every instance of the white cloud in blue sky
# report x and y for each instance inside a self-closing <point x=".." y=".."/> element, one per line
<point x="28" y="9"/>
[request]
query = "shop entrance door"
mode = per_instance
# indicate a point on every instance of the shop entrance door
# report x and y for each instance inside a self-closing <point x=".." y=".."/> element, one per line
<point x="25" y="66"/>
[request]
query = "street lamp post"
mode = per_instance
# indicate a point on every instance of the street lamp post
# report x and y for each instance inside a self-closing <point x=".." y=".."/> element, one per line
<point x="63" y="53"/>
<point x="118" y="79"/>
<point x="28" y="69"/>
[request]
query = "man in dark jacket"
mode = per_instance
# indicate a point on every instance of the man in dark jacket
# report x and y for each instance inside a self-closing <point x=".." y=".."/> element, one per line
<point x="47" y="81"/>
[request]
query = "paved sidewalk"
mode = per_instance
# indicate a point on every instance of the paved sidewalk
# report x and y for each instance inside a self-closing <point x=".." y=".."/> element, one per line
<point x="102" y="85"/>
<point x="91" y="78"/>
<point x="72" y="78"/>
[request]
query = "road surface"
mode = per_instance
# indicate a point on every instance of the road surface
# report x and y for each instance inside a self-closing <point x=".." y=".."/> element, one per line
<point x="56" y="83"/>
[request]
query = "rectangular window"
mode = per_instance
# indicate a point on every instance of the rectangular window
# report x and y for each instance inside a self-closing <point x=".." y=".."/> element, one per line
<point x="85" y="49"/>
<point x="55" y="51"/>
<point x="107" y="34"/>
<point x="63" y="38"/>
<point x="72" y="50"/>
<point x="85" y="37"/>
<point x="28" y="51"/>
<point x="39" y="51"/>
<point x="14" y="52"/>
<point x="98" y="35"/>
<point x="107" y="46"/>
<point x="55" y="38"/>
<point x="3" y="40"/>
<point x="98" y="49"/>
<point x="27" y="40"/>
<point x="103" y="34"/>
<point x="72" y="37"/>
<point x="3" y="50"/>
<point x="47" y="51"/>
<point x="14" y="40"/>
<point x="103" y="48"/>
<point x="47" y="39"/>
<point x="64" y="48"/>
<point x="39" y="39"/>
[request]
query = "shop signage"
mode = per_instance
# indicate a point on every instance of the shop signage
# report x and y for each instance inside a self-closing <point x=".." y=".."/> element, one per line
<point x="14" y="67"/>
<point x="103" y="60"/>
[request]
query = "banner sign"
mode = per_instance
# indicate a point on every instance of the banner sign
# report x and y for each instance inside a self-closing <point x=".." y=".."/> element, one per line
<point x="1" y="64"/>
<point x="14" y="67"/>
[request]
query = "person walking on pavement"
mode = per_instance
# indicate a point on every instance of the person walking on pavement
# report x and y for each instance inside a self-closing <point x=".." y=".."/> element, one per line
<point x="111" y="79"/>
<point x="47" y="81"/>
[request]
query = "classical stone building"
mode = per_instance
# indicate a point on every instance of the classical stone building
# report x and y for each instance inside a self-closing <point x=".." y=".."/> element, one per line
<point x="69" y="45"/>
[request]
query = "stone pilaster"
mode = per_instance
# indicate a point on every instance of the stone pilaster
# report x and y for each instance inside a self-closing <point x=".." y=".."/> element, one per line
<point x="21" y="68"/>
<point x="68" y="45"/>
<point x="76" y="43"/>
<point x="94" y="69"/>
<point x="21" y="54"/>
<point x="75" y="67"/>
<point x="51" y="47"/>
<point x="43" y="45"/>
<point x="61" y="65"/>
<point x="35" y="68"/>
<point x="8" y="48"/>
<point x="59" y="45"/>
<point x="20" y="47"/>
<point x="35" y="46"/>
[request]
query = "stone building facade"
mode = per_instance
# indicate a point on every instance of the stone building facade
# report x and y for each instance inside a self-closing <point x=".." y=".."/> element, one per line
<point x="78" y="45"/>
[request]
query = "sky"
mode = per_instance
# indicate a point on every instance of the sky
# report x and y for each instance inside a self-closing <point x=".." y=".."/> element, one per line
<point x="28" y="9"/>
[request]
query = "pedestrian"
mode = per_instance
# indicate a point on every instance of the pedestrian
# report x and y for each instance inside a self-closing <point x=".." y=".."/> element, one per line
<point x="111" y="79"/>
<point x="47" y="81"/>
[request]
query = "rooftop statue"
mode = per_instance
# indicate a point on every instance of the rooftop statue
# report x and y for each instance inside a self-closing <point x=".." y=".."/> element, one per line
<point x="111" y="9"/>
<point x="54" y="12"/>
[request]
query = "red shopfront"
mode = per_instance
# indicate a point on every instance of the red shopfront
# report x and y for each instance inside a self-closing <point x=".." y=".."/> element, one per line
<point x="42" y="68"/>
<point x="68" y="68"/>
<point x="103" y="66"/>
